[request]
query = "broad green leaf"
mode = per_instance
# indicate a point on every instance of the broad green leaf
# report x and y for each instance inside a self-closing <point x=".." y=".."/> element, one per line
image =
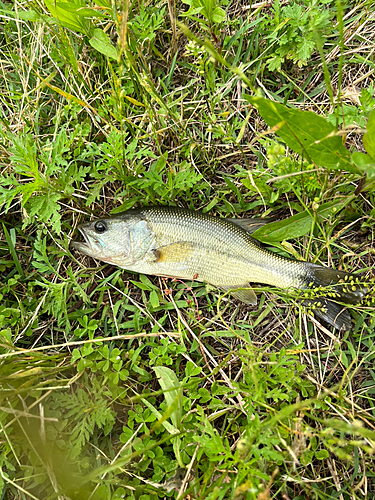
<point x="154" y="299"/>
<point x="297" y="225"/>
<point x="81" y="11"/>
<point x="218" y="15"/>
<point x="321" y="454"/>
<point x="369" y="137"/>
<point x="168" y="380"/>
<point x="361" y="159"/>
<point x="306" y="133"/>
<point x="141" y="286"/>
<point x="27" y="15"/>
<point x="365" y="163"/>
<point x="66" y="14"/>
<point x="101" y="42"/>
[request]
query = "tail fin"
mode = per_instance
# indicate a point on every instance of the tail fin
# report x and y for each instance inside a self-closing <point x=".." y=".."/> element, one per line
<point x="326" y="287"/>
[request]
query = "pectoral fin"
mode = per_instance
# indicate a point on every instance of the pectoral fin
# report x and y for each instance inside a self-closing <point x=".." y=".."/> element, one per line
<point x="246" y="295"/>
<point x="176" y="252"/>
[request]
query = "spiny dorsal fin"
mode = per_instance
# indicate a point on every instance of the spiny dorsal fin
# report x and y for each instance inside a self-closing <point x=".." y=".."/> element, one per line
<point x="251" y="225"/>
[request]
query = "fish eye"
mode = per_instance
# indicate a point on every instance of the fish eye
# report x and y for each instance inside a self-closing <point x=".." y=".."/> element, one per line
<point x="100" y="226"/>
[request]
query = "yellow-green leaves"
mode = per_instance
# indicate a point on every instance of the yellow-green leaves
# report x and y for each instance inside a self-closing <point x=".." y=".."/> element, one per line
<point x="71" y="15"/>
<point x="78" y="17"/>
<point x="102" y="43"/>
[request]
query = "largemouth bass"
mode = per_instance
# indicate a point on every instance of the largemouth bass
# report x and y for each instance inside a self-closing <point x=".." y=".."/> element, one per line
<point x="180" y="243"/>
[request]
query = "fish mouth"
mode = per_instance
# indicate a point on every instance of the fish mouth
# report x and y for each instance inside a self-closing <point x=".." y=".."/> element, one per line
<point x="83" y="246"/>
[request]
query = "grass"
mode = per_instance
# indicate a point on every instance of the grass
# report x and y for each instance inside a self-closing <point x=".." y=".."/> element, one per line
<point x="115" y="385"/>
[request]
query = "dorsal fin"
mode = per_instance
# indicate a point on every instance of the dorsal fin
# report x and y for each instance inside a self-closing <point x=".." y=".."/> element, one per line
<point x="251" y="225"/>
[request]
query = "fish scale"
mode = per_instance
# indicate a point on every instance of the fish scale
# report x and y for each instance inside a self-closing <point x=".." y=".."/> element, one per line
<point x="180" y="243"/>
<point x="223" y="255"/>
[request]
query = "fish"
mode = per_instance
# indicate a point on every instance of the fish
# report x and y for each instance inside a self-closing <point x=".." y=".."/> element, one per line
<point x="185" y="244"/>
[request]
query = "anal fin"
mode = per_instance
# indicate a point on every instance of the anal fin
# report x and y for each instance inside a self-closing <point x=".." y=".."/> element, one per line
<point x="246" y="295"/>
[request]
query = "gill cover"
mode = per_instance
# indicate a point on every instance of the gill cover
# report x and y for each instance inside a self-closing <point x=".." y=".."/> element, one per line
<point x="116" y="241"/>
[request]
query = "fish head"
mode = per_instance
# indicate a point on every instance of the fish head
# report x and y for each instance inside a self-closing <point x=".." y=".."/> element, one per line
<point x="115" y="240"/>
